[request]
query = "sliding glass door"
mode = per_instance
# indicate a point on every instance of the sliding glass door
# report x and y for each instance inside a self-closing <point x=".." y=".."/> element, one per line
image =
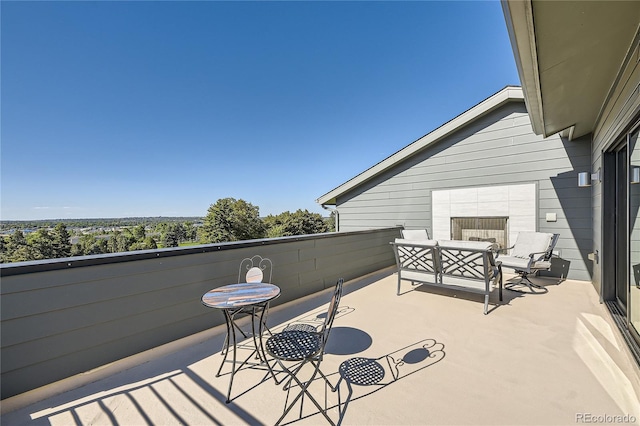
<point x="633" y="173"/>
<point x="621" y="228"/>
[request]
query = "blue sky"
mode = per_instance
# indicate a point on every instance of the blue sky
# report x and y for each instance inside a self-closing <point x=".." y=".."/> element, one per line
<point x="114" y="109"/>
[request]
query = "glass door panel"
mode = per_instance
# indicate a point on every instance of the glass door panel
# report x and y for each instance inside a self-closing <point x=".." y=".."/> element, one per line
<point x="634" y="234"/>
<point x="622" y="233"/>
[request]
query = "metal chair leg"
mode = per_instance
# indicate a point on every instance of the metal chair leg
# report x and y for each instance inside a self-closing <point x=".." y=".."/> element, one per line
<point x="304" y="390"/>
<point x="524" y="280"/>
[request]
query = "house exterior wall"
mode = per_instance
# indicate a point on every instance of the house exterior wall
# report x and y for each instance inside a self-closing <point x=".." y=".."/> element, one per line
<point x="499" y="148"/>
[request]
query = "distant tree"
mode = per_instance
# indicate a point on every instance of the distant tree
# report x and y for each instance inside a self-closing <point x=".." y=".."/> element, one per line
<point x="232" y="220"/>
<point x="180" y="231"/>
<point x="61" y="241"/>
<point x="139" y="233"/>
<point x="3" y="249"/>
<point x="301" y="222"/>
<point x="147" y="244"/>
<point x="171" y="236"/>
<point x="331" y="222"/>
<point x="42" y="245"/>
<point x="190" y="231"/>
<point x="88" y="245"/>
<point x="18" y="250"/>
<point x="275" y="230"/>
<point x="120" y="241"/>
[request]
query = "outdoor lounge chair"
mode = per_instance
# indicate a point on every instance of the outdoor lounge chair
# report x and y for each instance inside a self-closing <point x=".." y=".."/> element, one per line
<point x="531" y="253"/>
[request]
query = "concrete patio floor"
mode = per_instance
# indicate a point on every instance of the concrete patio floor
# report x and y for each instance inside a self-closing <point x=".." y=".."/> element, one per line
<point x="433" y="357"/>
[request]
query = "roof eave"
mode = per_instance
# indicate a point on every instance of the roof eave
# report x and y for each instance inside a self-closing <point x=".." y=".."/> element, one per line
<point x="519" y="19"/>
<point x="508" y="94"/>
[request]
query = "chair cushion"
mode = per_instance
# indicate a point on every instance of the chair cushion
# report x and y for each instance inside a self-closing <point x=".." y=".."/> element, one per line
<point x="466" y="245"/>
<point x="431" y="243"/>
<point x="415" y="234"/>
<point x="530" y="242"/>
<point x="294" y="345"/>
<point x="517" y="263"/>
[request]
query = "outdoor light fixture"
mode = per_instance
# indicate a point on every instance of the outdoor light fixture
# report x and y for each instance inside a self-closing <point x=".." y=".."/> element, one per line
<point x="585" y="178"/>
<point x="635" y="175"/>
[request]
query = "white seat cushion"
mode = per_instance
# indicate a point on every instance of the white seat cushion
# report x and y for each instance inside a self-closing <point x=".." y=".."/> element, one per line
<point x="514" y="262"/>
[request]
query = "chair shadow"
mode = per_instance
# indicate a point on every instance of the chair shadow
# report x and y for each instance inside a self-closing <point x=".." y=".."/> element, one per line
<point x="515" y="285"/>
<point x="311" y="322"/>
<point x="494" y="301"/>
<point x="364" y="376"/>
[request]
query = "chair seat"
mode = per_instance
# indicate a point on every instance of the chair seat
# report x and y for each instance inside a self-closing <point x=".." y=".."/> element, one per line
<point x="294" y="345"/>
<point x="521" y="264"/>
<point x="514" y="262"/>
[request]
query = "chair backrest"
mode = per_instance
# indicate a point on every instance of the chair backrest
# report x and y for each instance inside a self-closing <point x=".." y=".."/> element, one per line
<point x="415" y="234"/>
<point x="467" y="259"/>
<point x="552" y="245"/>
<point x="418" y="256"/>
<point x="533" y="242"/>
<point x="331" y="312"/>
<point x="256" y="269"/>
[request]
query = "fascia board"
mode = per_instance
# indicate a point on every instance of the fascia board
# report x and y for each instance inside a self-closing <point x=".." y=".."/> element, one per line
<point x="508" y="94"/>
<point x="518" y="16"/>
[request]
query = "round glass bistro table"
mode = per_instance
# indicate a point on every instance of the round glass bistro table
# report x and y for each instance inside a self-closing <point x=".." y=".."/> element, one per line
<point x="233" y="299"/>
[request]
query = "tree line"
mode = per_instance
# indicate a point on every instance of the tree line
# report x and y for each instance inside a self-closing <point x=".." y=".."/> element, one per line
<point x="227" y="220"/>
<point x="97" y="222"/>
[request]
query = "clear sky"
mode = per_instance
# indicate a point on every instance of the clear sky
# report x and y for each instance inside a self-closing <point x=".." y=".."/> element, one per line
<point x="114" y="109"/>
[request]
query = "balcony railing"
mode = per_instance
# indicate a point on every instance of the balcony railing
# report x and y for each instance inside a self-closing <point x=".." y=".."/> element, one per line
<point x="62" y="317"/>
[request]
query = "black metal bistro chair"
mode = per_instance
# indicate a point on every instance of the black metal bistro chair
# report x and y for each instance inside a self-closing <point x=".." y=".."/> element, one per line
<point x="302" y="347"/>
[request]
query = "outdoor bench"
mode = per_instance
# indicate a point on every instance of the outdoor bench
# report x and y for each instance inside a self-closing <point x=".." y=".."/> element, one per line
<point x="461" y="265"/>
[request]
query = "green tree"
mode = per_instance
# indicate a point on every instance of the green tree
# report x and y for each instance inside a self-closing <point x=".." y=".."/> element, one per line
<point x="61" y="241"/>
<point x="331" y="222"/>
<point x="88" y="245"/>
<point x="3" y="250"/>
<point x="232" y="220"/>
<point x="120" y="242"/>
<point x="171" y="236"/>
<point x="139" y="233"/>
<point x="18" y="250"/>
<point x="190" y="231"/>
<point x="301" y="222"/>
<point x="147" y="244"/>
<point x="276" y="230"/>
<point x="42" y="245"/>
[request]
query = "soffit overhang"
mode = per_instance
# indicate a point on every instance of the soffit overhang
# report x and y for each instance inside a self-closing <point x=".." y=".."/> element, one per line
<point x="569" y="55"/>
<point x="506" y="95"/>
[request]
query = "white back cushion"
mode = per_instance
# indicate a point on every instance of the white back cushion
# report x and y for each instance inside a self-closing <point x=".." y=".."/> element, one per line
<point x="531" y="242"/>
<point x="415" y="234"/>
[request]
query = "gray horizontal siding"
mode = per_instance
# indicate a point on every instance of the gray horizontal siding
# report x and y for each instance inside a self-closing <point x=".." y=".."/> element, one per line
<point x="499" y="149"/>
<point x="62" y="320"/>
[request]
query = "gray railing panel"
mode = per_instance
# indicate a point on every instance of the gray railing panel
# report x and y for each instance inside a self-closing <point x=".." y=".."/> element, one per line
<point x="63" y="317"/>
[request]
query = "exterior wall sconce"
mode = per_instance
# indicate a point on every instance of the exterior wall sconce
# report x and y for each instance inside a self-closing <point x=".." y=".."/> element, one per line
<point x="585" y="178"/>
<point x="635" y="175"/>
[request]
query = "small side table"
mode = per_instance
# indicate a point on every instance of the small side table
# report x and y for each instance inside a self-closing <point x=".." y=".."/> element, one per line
<point x="233" y="299"/>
